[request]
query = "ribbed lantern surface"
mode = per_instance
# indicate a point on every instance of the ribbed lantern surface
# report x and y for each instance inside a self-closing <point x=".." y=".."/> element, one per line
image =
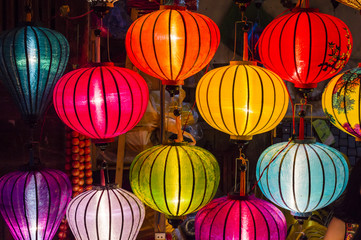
<point x="175" y="179"/>
<point x="33" y="203"/>
<point x="32" y="59"/>
<point x="341" y="102"/>
<point x="242" y="100"/>
<point x="171" y="44"/>
<point x="305" y="46"/>
<point x="304" y="177"/>
<point x="236" y="217"/>
<point x="105" y="213"/>
<point x="101" y="102"/>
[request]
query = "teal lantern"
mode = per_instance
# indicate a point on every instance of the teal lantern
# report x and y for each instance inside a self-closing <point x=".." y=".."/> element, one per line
<point x="32" y="59"/>
<point x="304" y="175"/>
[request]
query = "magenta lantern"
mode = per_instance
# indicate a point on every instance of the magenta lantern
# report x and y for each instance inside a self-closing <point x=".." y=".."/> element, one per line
<point x="101" y="102"/>
<point x="236" y="217"/>
<point x="33" y="203"/>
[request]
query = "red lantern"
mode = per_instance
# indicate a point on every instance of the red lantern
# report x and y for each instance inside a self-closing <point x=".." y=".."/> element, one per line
<point x="101" y="102"/>
<point x="305" y="46"/>
<point x="172" y="45"/>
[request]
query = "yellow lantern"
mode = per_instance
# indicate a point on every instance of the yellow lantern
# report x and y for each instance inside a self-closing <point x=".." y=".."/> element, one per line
<point x="242" y="99"/>
<point x="341" y="102"/>
<point x="351" y="3"/>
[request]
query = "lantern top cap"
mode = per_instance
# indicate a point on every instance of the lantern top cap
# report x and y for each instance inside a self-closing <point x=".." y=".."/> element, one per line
<point x="243" y="63"/>
<point x="107" y="187"/>
<point x="310" y="140"/>
<point x="299" y="9"/>
<point x="172" y="7"/>
<point x="177" y="144"/>
<point x="102" y="64"/>
<point x="236" y="196"/>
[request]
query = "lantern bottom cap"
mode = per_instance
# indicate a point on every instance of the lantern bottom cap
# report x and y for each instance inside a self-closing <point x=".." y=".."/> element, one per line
<point x="103" y="140"/>
<point x="243" y="63"/>
<point x="241" y="138"/>
<point x="301" y="214"/>
<point x="173" y="82"/>
<point x="305" y="85"/>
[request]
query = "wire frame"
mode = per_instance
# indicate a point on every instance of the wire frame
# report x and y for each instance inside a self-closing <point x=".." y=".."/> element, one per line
<point x="242" y="100"/>
<point x="101" y="102"/>
<point x="175" y="179"/>
<point x="341" y="102"/>
<point x="305" y="46"/>
<point x="105" y="213"/>
<point x="303" y="177"/>
<point x="236" y="217"/>
<point x="172" y="44"/>
<point x="32" y="59"/>
<point x="33" y="203"/>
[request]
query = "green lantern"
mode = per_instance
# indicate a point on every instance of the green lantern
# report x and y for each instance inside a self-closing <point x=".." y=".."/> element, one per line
<point x="175" y="179"/>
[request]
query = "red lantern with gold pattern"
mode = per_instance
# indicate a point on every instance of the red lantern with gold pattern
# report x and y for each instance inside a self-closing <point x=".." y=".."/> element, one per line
<point x="305" y="46"/>
<point x="172" y="44"/>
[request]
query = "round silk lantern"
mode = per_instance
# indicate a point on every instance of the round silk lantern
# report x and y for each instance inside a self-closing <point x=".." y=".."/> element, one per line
<point x="105" y="213"/>
<point x="172" y="44"/>
<point x="305" y="46"/>
<point x="32" y="59"/>
<point x="236" y="217"/>
<point x="304" y="177"/>
<point x="33" y="203"/>
<point x="101" y="102"/>
<point x="351" y="3"/>
<point x="175" y="179"/>
<point x="341" y="102"/>
<point x="242" y="100"/>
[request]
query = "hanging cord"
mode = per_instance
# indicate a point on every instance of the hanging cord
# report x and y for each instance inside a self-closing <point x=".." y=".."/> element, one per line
<point x="303" y="4"/>
<point x="108" y="46"/>
<point x="104" y="166"/>
<point x="245" y="29"/>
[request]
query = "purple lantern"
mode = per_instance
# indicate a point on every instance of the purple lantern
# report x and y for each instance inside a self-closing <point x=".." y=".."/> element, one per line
<point x="33" y="202"/>
<point x="236" y="217"/>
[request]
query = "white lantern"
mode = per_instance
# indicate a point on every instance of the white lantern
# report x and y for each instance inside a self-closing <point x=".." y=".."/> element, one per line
<point x="105" y="213"/>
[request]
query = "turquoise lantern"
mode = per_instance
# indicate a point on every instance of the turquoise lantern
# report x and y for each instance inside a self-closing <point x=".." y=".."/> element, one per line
<point x="304" y="175"/>
<point x="32" y="59"/>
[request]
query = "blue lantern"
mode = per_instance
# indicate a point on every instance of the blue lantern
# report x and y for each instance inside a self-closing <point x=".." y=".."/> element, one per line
<point x="304" y="176"/>
<point x="32" y="59"/>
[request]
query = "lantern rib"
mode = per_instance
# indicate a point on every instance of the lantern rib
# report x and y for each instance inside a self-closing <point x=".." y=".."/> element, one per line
<point x="85" y="214"/>
<point x="97" y="213"/>
<point x="310" y="48"/>
<point x="265" y="208"/>
<point x="248" y="97"/>
<point x="49" y="207"/>
<point x="220" y="99"/>
<point x="309" y="175"/>
<point x="6" y="74"/>
<point x="193" y="179"/>
<point x="119" y="98"/>
<point x="264" y="218"/>
<point x="199" y="40"/>
<point x="293" y="178"/>
<point x="253" y="221"/>
<point x="185" y="45"/>
<point x="18" y="74"/>
<point x="39" y="63"/>
<point x="122" y="213"/>
<point x="345" y="105"/>
<point x="104" y="100"/>
<point x="88" y="103"/>
<point x="7" y="219"/>
<point x="332" y="103"/>
<point x="323" y="176"/>
<point x="74" y="102"/>
<point x="240" y="217"/>
<point x="110" y="215"/>
<point x="262" y="104"/>
<point x="359" y="105"/>
<point x="24" y="202"/>
<point x="154" y="48"/>
<point x="27" y="69"/>
<point x="279" y="173"/>
<point x="215" y="216"/>
<point x="325" y="53"/>
<point x="294" y="47"/>
<point x="170" y="44"/>
<point x="131" y="209"/>
<point x="335" y="172"/>
<point x="76" y="211"/>
<point x="233" y="104"/>
<point x="226" y="220"/>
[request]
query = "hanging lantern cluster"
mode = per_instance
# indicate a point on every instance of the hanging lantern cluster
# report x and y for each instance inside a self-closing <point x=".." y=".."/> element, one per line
<point x="341" y="102"/>
<point x="303" y="176"/>
<point x="32" y="59"/>
<point x="101" y="102"/>
<point x="305" y="46"/>
<point x="236" y="217"/>
<point x="242" y="100"/>
<point x="175" y="179"/>
<point x="172" y="44"/>
<point x="105" y="213"/>
<point x="33" y="202"/>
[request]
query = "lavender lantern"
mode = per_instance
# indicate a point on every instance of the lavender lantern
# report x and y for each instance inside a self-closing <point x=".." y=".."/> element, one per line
<point x="33" y="202"/>
<point x="236" y="217"/>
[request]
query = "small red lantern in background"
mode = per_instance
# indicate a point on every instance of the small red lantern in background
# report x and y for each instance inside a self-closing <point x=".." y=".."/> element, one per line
<point x="305" y="46"/>
<point x="172" y="44"/>
<point x="101" y="102"/>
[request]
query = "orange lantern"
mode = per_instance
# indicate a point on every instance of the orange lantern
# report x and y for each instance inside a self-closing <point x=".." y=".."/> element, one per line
<point x="172" y="44"/>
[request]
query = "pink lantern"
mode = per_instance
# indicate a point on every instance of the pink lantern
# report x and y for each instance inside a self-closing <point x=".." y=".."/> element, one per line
<point x="101" y="102"/>
<point x="236" y="217"/>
